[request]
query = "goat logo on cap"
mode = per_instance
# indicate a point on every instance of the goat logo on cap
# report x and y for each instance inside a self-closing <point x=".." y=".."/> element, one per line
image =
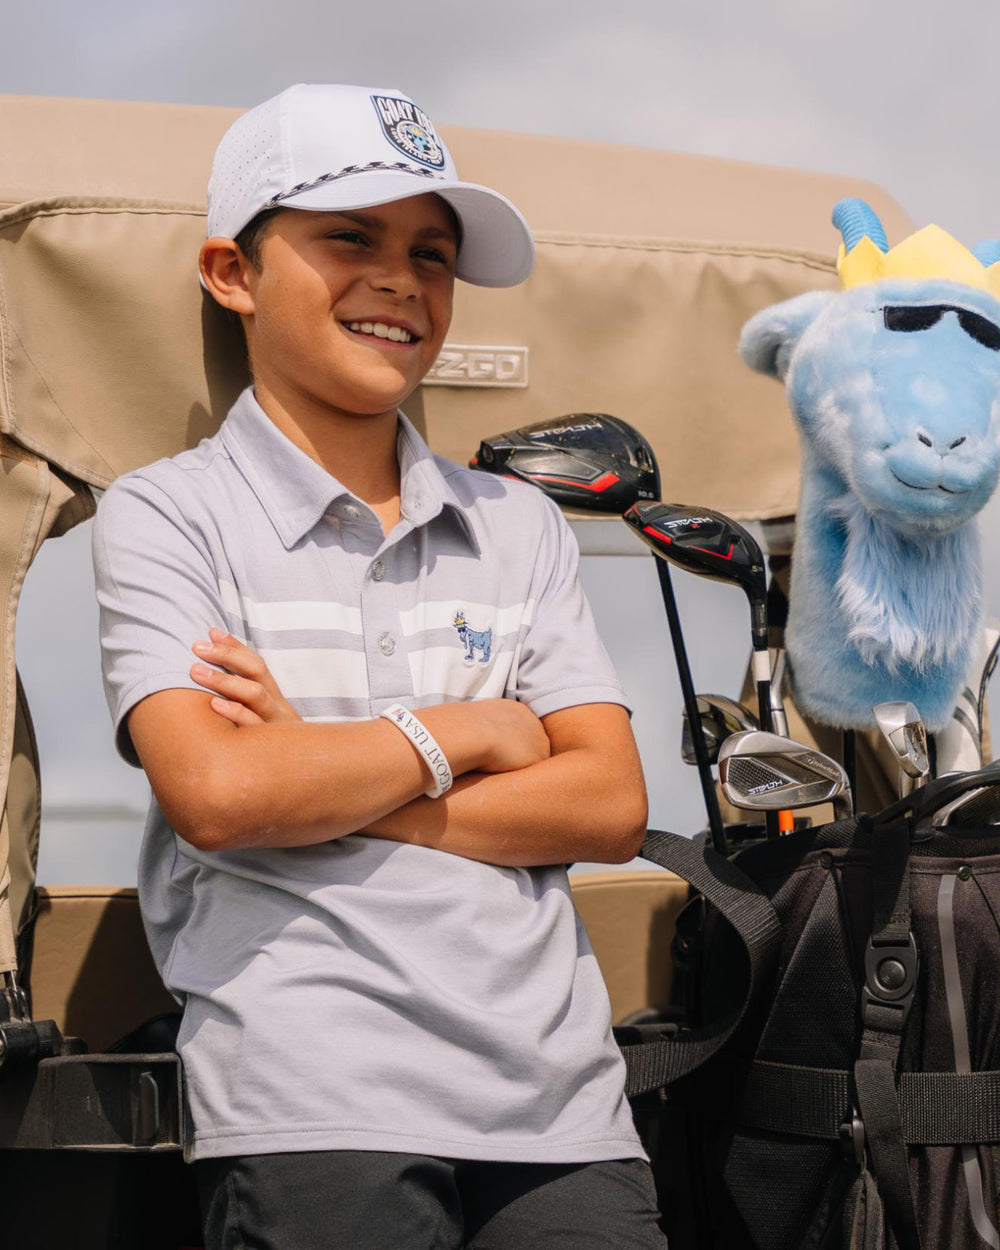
<point x="409" y="130"/>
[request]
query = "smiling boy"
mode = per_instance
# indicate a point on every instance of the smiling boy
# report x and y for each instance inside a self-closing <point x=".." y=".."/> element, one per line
<point x="394" y="1031"/>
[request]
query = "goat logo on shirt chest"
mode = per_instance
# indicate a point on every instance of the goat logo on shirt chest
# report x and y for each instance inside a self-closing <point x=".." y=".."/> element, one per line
<point x="474" y="640"/>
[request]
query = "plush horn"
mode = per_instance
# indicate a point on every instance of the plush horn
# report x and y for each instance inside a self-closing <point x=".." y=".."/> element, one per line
<point x="856" y="220"/>
<point x="987" y="252"/>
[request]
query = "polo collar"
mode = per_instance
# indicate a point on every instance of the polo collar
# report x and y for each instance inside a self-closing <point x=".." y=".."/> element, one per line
<point x="296" y="492"/>
<point x="424" y="490"/>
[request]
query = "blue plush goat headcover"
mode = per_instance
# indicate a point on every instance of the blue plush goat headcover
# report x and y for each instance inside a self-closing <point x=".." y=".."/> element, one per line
<point x="895" y="385"/>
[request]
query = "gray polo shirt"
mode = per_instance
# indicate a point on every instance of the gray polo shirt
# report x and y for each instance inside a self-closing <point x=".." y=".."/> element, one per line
<point x="361" y="993"/>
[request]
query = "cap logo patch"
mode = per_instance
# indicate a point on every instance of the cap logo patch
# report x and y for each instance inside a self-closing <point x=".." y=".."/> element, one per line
<point x="409" y="130"/>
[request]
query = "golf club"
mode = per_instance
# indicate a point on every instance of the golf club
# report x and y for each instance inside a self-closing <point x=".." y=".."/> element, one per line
<point x="710" y="544"/>
<point x="900" y="725"/>
<point x="596" y="462"/>
<point x="974" y="809"/>
<point x="992" y="647"/>
<point x="959" y="746"/>
<point x="779" y="721"/>
<point x="765" y="772"/>
<point x="719" y="717"/>
<point x="584" y="460"/>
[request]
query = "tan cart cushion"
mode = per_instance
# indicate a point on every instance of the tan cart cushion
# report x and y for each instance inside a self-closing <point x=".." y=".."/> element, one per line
<point x="630" y="918"/>
<point x="92" y="972"/>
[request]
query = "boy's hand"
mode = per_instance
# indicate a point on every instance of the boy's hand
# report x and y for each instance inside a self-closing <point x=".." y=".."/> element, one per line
<point x="517" y="737"/>
<point x="246" y="693"/>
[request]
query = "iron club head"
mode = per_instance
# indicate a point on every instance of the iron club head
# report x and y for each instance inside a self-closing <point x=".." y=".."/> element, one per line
<point x="719" y="717"/>
<point x="900" y="724"/>
<point x="766" y="772"/>
<point x="973" y="809"/>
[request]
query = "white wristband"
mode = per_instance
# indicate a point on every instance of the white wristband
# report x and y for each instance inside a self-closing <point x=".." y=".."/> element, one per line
<point x="421" y="737"/>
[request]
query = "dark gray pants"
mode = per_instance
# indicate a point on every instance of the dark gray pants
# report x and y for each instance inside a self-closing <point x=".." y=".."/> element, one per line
<point x="365" y="1200"/>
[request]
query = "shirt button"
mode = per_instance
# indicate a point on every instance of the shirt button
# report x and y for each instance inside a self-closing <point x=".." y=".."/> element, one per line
<point x="351" y="512"/>
<point x="386" y="644"/>
<point x="377" y="570"/>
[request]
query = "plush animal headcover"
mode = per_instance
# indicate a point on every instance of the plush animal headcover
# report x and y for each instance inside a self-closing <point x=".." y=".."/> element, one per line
<point x="894" y="382"/>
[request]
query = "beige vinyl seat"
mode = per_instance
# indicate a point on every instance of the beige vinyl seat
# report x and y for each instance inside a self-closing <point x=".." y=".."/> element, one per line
<point x="92" y="973"/>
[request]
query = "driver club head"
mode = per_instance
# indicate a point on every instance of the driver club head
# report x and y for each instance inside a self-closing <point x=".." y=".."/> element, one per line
<point x="766" y="772"/>
<point x="899" y="723"/>
<point x="720" y="718"/>
<point x="586" y="460"/>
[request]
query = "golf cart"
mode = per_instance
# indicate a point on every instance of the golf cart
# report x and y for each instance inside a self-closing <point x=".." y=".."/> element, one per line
<point x="111" y="357"/>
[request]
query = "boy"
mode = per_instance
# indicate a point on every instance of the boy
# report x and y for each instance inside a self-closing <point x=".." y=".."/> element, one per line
<point x="394" y="1032"/>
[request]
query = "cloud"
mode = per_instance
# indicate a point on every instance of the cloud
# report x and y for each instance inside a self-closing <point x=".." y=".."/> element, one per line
<point x="893" y="92"/>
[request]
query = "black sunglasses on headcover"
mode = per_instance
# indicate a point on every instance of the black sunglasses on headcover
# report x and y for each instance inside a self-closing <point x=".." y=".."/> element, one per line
<point x="910" y="317"/>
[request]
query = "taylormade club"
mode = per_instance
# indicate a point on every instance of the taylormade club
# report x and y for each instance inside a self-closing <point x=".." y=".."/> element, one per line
<point x="718" y="718"/>
<point x="975" y="808"/>
<point x="900" y="725"/>
<point x="585" y="460"/>
<point x="765" y="772"/>
<point x="779" y="721"/>
<point x="595" y="461"/>
<point x="712" y="545"/>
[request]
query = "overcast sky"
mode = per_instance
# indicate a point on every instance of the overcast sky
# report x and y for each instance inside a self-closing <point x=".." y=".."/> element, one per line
<point x="902" y="93"/>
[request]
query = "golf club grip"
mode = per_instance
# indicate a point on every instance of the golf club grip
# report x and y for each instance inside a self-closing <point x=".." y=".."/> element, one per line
<point x="691" y="704"/>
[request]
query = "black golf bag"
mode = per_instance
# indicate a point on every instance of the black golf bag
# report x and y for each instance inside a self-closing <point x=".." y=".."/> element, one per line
<point x="835" y="1083"/>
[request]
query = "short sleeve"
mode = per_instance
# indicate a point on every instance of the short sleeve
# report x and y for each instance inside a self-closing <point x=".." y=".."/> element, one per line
<point x="562" y="661"/>
<point x="158" y="594"/>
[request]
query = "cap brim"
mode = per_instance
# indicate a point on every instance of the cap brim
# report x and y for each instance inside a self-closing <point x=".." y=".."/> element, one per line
<point x="497" y="247"/>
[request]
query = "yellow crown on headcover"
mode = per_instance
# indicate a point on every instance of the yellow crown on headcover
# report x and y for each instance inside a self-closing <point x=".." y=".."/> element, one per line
<point x="930" y="253"/>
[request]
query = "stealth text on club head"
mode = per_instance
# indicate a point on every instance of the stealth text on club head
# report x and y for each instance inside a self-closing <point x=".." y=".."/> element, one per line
<point x="587" y="460"/>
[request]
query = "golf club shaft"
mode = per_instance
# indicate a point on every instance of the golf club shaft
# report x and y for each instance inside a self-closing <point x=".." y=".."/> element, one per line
<point x="779" y="720"/>
<point x="705" y="776"/>
<point x="851" y="765"/>
<point x="761" y="665"/>
<point x="760" y="662"/>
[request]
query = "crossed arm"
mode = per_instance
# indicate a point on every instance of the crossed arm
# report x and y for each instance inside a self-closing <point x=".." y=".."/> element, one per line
<point x="236" y="767"/>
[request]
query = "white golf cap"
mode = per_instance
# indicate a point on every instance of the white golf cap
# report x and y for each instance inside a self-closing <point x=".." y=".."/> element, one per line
<point x="328" y="148"/>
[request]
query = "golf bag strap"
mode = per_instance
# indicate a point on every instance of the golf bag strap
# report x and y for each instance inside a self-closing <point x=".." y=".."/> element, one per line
<point x="936" y="1108"/>
<point x="890" y="981"/>
<point x="653" y="1064"/>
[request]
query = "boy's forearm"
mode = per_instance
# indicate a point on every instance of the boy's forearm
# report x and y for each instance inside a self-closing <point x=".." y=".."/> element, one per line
<point x="585" y="803"/>
<point x="290" y="785"/>
<point x="223" y="787"/>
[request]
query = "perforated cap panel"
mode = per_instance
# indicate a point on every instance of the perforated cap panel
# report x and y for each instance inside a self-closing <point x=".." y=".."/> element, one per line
<point x="247" y="160"/>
